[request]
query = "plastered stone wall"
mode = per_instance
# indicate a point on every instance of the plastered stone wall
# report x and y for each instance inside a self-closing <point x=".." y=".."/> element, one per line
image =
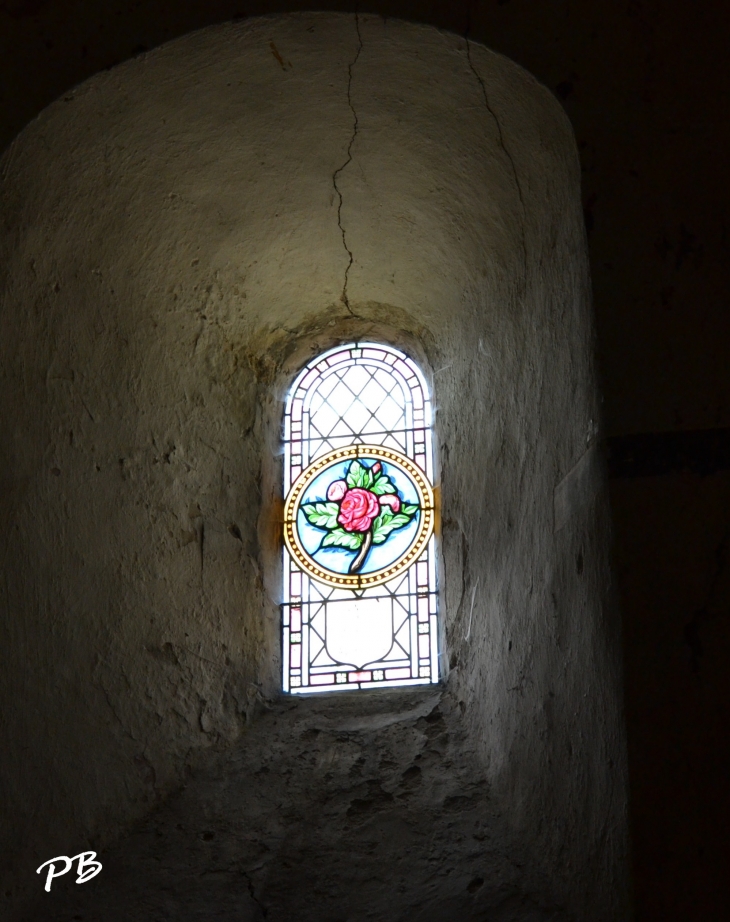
<point x="179" y="235"/>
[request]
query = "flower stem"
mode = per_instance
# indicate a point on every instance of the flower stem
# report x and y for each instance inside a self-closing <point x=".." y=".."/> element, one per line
<point x="360" y="559"/>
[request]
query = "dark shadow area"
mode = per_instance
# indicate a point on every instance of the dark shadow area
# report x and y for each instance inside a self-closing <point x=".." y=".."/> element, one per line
<point x="366" y="806"/>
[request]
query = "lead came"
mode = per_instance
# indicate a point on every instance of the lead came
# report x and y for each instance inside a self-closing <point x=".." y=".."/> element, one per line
<point x="360" y="585"/>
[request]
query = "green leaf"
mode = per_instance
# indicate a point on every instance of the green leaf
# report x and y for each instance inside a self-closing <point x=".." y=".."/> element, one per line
<point x="409" y="510"/>
<point x="400" y="520"/>
<point x="386" y="523"/>
<point x="322" y="515"/>
<point x="355" y="475"/>
<point x="338" y="537"/>
<point x="383" y="485"/>
<point x="378" y="526"/>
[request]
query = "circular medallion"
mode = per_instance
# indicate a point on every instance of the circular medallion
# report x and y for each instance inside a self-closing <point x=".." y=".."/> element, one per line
<point x="358" y="516"/>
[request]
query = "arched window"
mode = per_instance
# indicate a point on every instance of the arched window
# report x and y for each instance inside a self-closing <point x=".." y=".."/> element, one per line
<point x="360" y="595"/>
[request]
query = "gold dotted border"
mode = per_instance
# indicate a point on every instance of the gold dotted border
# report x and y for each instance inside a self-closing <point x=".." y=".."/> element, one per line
<point x="359" y="581"/>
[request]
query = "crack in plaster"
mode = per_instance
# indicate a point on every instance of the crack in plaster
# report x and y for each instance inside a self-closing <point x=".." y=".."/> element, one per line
<point x="256" y="900"/>
<point x="344" y="297"/>
<point x="500" y="134"/>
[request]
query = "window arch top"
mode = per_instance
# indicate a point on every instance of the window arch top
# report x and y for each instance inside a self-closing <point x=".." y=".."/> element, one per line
<point x="363" y="393"/>
<point x="359" y="594"/>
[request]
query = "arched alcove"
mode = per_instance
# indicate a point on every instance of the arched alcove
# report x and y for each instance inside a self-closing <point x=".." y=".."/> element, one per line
<point x="181" y="235"/>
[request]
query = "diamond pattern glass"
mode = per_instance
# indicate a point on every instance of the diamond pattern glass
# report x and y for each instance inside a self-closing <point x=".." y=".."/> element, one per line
<point x="370" y="403"/>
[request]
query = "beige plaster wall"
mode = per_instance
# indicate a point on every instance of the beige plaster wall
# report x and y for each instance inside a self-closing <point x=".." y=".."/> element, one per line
<point x="179" y="234"/>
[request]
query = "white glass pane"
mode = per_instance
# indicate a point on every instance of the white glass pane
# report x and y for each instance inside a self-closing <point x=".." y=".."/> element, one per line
<point x="341" y="398"/>
<point x="326" y="386"/>
<point x="339" y="638"/>
<point x="359" y="631"/>
<point x="389" y="414"/>
<point x="324" y="420"/>
<point x="373" y="395"/>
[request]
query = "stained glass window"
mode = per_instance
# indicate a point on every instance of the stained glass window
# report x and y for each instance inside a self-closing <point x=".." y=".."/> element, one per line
<point x="360" y="594"/>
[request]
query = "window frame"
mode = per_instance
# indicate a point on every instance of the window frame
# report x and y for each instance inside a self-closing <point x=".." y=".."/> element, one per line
<point x="300" y="449"/>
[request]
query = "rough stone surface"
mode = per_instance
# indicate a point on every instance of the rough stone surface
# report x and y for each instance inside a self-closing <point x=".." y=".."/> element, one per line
<point x="358" y="809"/>
<point x="179" y="235"/>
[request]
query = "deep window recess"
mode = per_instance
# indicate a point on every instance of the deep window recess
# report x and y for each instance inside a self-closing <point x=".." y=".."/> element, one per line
<point x="360" y="596"/>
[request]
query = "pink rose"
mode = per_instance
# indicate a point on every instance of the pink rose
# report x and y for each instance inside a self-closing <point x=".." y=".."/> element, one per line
<point x="358" y="509"/>
<point x="390" y="499"/>
<point x="336" y="490"/>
